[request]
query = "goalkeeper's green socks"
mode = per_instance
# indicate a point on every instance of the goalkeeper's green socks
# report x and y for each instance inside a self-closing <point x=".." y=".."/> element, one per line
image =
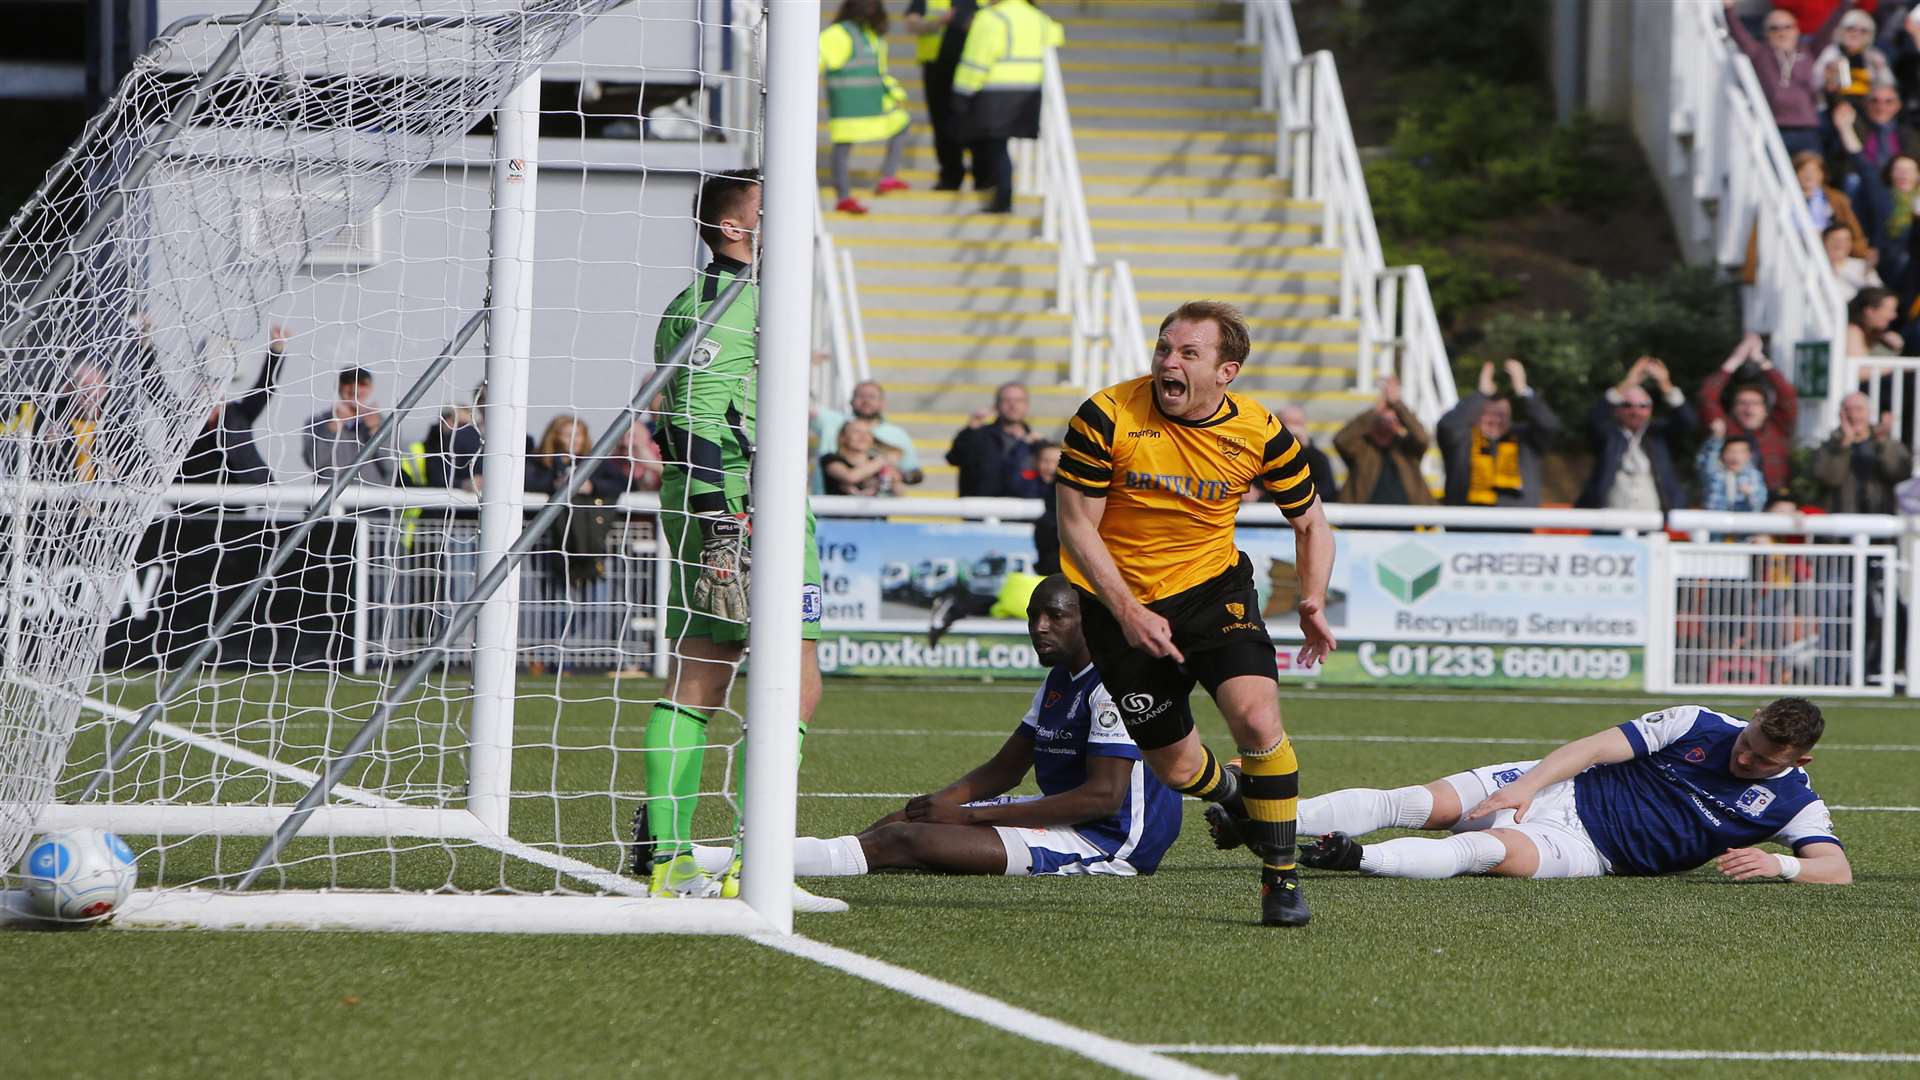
<point x="676" y="747"/>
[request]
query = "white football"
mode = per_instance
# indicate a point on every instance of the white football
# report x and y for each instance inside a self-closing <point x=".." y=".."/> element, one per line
<point x="78" y="875"/>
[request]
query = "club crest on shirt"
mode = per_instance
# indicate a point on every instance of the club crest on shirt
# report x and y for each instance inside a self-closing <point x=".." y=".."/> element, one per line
<point x="1754" y="801"/>
<point x="1238" y="611"/>
<point x="1053" y="698"/>
<point x="1231" y="445"/>
<point x="1697" y="754"/>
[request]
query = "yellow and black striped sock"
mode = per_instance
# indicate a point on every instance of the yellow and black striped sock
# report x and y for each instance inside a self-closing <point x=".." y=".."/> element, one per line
<point x="1213" y="783"/>
<point x="1270" y="787"/>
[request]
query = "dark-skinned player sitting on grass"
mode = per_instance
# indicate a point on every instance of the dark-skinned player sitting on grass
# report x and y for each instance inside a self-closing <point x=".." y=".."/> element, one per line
<point x="1099" y="811"/>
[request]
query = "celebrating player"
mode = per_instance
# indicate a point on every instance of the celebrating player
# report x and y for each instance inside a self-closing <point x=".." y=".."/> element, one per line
<point x="1150" y="482"/>
<point x="706" y="425"/>
<point x="1658" y="795"/>
<point x="1099" y="810"/>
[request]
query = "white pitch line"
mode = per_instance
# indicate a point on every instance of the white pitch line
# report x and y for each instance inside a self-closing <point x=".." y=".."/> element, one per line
<point x="1617" y="1053"/>
<point x="1129" y="1058"/>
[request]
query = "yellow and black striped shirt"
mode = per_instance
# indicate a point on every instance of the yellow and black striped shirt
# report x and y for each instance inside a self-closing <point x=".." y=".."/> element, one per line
<point x="1173" y="486"/>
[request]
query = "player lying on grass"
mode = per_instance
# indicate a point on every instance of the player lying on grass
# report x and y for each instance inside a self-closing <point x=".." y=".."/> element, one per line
<point x="1659" y="795"/>
<point x="1100" y="810"/>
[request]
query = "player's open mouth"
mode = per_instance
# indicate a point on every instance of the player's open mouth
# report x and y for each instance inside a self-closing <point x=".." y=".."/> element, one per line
<point x="1170" y="387"/>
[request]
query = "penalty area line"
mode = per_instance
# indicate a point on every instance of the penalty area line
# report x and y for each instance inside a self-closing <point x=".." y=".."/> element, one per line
<point x="1617" y="1053"/>
<point x="1126" y="1057"/>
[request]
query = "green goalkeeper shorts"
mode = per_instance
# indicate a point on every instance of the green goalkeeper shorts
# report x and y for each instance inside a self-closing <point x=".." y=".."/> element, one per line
<point x="683" y="540"/>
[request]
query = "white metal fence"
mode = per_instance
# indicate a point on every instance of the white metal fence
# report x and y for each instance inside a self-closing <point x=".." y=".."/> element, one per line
<point x="1314" y="149"/>
<point x="1795" y="604"/>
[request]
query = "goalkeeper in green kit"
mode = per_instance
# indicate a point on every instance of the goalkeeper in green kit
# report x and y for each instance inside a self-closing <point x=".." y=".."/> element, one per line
<point x="706" y="435"/>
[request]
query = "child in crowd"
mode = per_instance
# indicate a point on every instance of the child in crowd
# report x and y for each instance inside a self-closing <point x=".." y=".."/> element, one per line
<point x="1729" y="478"/>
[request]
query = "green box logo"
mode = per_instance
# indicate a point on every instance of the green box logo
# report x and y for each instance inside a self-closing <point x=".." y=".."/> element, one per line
<point x="1408" y="572"/>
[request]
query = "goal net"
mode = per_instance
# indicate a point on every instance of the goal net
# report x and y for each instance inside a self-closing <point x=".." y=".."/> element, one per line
<point x="319" y="482"/>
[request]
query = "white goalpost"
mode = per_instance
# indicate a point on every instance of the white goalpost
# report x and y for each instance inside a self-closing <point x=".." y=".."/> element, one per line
<point x="406" y="684"/>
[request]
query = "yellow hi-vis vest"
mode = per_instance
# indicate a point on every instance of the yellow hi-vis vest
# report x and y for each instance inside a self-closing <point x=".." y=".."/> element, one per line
<point x="863" y="102"/>
<point x="1006" y="48"/>
<point x="926" y="47"/>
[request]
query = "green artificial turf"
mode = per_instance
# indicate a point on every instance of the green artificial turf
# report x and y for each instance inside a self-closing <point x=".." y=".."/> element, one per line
<point x="1689" y="962"/>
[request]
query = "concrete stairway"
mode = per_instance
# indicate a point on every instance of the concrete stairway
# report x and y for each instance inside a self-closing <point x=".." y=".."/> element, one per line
<point x="1176" y="162"/>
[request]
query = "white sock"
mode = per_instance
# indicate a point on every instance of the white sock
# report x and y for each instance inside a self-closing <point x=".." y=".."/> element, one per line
<point x="838" y="856"/>
<point x="713" y="859"/>
<point x="1419" y="857"/>
<point x="1359" y="811"/>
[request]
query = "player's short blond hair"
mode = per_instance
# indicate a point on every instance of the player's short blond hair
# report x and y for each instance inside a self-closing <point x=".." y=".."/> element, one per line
<point x="1235" y="343"/>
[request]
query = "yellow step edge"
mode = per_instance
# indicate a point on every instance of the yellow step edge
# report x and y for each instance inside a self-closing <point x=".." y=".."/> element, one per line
<point x="908" y="265"/>
<point x="1042" y="293"/>
<point x="1194" y="157"/>
<point x="1160" y="134"/>
<point x="1130" y="246"/>
<point x="940" y="445"/>
<point x="960" y="419"/>
<point x="1186" y="112"/>
<point x="936" y="219"/>
<point x="922" y="364"/>
<point x="934" y="315"/>
<point x="1125" y="23"/>
<point x="1083" y="90"/>
<point x="1152" y="69"/>
<point x="1160" y="46"/>
<point x="1176" y="201"/>
<point x="1267" y="182"/>
<point x="985" y="341"/>
<point x="1278" y="371"/>
<point x="941" y="388"/>
<point x="1203" y="226"/>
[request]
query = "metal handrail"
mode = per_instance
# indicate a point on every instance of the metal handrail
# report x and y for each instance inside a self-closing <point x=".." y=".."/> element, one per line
<point x="1054" y="175"/>
<point x="836" y="326"/>
<point x="1314" y="149"/>
<point x="1745" y="193"/>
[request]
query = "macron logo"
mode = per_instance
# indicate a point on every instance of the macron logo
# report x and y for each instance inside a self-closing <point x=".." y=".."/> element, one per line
<point x="1143" y="433"/>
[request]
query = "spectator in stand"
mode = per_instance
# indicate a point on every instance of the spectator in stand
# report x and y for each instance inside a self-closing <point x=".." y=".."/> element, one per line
<point x="868" y="402"/>
<point x="864" y="103"/>
<point x="636" y="460"/>
<point x="1382" y="448"/>
<point x="1491" y="459"/>
<point x="334" y="438"/>
<point x="550" y="465"/>
<point x="1046" y="528"/>
<point x="1895" y="242"/>
<point x="1809" y="14"/>
<point x="1861" y="461"/>
<point x="1854" y="274"/>
<point x="996" y="90"/>
<point x="1294" y="419"/>
<point x="1851" y="67"/>
<point x="1870" y="316"/>
<point x="1784" y="65"/>
<point x="1903" y="54"/>
<point x="942" y="27"/>
<point x="1869" y="144"/>
<point x="1748" y="410"/>
<point x="224" y="452"/>
<point x="992" y="450"/>
<point x="856" y="466"/>
<point x="1633" y="468"/>
<point x="1729" y="478"/>
<point x="1825" y="205"/>
<point x="449" y="455"/>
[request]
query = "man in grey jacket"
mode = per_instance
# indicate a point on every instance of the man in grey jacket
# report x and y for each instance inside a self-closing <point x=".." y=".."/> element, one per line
<point x="334" y="438"/>
<point x="1492" y="456"/>
<point x="1860" y="462"/>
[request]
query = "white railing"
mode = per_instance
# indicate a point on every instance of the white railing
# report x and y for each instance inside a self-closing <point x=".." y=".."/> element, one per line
<point x="1050" y="168"/>
<point x="1890" y="383"/>
<point x="1315" y="151"/>
<point x="837" y="329"/>
<point x="1745" y="194"/>
<point x="1753" y="616"/>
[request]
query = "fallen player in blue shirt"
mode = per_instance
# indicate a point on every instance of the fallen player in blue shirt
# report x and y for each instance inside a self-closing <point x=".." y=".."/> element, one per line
<point x="1663" y="794"/>
<point x="1100" y="809"/>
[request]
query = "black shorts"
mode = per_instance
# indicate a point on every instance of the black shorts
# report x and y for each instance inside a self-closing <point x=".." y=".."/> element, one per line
<point x="1216" y="625"/>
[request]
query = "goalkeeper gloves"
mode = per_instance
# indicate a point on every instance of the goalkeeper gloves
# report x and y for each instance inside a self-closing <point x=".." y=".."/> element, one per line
<point x="725" y="565"/>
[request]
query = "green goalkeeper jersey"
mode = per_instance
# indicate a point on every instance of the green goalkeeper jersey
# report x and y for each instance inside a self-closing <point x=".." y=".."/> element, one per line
<point x="706" y="423"/>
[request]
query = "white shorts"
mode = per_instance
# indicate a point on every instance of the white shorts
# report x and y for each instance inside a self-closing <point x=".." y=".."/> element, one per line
<point x="1552" y="822"/>
<point x="1058" y="850"/>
